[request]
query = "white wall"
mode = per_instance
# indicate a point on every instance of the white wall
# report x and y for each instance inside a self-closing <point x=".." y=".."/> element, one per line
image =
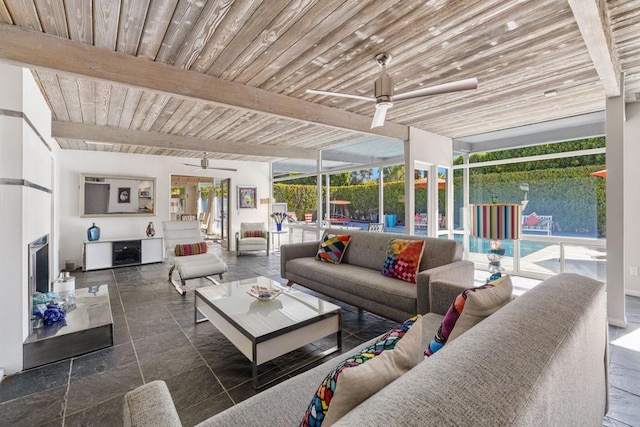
<point x="26" y="212"/>
<point x="73" y="228"/>
<point x="631" y="196"/>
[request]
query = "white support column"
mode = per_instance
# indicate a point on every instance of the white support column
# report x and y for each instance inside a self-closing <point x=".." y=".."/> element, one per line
<point x="409" y="193"/>
<point x="465" y="206"/>
<point x="631" y="199"/>
<point x="318" y="195"/>
<point x="616" y="263"/>
<point x="450" y="205"/>
<point x="327" y="206"/>
<point x="381" y="195"/>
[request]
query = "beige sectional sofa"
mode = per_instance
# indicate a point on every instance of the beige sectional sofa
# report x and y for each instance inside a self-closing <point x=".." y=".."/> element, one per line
<point x="358" y="280"/>
<point x="541" y="360"/>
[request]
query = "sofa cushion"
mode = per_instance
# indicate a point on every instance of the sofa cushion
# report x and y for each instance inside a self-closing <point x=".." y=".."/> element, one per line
<point x="358" y="377"/>
<point x="480" y="305"/>
<point x="501" y="297"/>
<point x="190" y="249"/>
<point x="333" y="247"/>
<point x="358" y="281"/>
<point x="403" y="259"/>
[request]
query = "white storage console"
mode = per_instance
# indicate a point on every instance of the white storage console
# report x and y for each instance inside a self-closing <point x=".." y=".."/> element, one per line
<point x="121" y="252"/>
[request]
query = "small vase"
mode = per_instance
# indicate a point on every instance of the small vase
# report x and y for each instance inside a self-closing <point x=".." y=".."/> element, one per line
<point x="150" y="230"/>
<point x="278" y="226"/>
<point x="93" y="233"/>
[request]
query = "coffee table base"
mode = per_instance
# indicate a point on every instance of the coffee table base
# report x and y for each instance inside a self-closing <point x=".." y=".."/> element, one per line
<point x="259" y="351"/>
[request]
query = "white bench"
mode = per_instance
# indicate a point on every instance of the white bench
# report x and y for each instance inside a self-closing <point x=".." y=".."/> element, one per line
<point x="545" y="224"/>
<point x="192" y="266"/>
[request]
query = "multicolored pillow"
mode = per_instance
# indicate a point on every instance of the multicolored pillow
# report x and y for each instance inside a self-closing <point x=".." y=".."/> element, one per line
<point x="362" y="375"/>
<point x="253" y="233"/>
<point x="190" y="249"/>
<point x="403" y="259"/>
<point x="480" y="303"/>
<point x="333" y="247"/>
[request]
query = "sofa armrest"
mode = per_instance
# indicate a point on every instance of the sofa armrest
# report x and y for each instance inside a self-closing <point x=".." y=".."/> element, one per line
<point x="296" y="250"/>
<point x="442" y="293"/>
<point x="150" y="405"/>
<point x="458" y="272"/>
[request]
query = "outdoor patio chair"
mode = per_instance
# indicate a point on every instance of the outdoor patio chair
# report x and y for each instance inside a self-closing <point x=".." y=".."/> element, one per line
<point x="376" y="227"/>
<point x="187" y="253"/>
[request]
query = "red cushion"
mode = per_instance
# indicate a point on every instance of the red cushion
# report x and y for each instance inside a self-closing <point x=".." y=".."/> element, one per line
<point x="253" y="233"/>
<point x="532" y="220"/>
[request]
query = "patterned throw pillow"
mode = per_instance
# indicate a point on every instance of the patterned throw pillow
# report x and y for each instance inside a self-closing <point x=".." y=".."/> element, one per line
<point x="498" y="293"/>
<point x="403" y="259"/>
<point x="362" y="375"/>
<point x="190" y="249"/>
<point x="253" y="233"/>
<point x="333" y="247"/>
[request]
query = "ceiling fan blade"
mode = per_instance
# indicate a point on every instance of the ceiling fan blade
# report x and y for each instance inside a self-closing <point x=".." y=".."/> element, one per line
<point x="342" y="95"/>
<point x="381" y="113"/>
<point x="191" y="164"/>
<point x="223" y="169"/>
<point x="466" y="84"/>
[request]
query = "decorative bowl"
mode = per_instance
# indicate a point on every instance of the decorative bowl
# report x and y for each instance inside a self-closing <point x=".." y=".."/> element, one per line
<point x="264" y="294"/>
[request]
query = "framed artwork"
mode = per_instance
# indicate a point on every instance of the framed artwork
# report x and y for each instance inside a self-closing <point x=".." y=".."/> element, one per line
<point x="124" y="194"/>
<point x="247" y="198"/>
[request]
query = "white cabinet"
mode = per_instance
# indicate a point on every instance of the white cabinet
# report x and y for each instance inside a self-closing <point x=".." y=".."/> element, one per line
<point x="151" y="250"/>
<point x="99" y="254"/>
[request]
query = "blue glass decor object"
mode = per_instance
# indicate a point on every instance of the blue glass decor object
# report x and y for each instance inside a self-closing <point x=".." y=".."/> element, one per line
<point x="54" y="313"/>
<point x="150" y="230"/>
<point x="93" y="233"/>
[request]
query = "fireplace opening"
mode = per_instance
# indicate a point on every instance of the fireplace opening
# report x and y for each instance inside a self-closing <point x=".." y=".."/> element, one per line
<point x="39" y="266"/>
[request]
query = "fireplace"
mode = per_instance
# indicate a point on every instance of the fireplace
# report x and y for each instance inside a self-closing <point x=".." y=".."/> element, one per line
<point x="39" y="266"/>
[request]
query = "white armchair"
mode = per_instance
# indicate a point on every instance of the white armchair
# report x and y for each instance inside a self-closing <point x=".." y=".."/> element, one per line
<point x="253" y="236"/>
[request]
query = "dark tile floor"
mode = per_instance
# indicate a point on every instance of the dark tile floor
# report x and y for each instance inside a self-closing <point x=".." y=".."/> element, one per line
<point x="155" y="338"/>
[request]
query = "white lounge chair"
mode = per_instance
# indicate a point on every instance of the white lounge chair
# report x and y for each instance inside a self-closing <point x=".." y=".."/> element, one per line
<point x="190" y="266"/>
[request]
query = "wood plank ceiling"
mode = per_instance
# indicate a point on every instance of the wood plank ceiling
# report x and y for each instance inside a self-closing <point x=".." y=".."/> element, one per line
<point x="276" y="49"/>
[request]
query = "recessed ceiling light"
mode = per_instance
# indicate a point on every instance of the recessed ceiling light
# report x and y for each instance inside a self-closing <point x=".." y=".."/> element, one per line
<point x="551" y="93"/>
<point x="512" y="25"/>
<point x="493" y="43"/>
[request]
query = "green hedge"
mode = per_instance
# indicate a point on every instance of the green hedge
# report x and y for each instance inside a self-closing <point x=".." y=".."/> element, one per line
<point x="568" y="194"/>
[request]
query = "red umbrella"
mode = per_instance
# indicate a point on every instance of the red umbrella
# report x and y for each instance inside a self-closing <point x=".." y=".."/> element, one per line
<point x="601" y="174"/>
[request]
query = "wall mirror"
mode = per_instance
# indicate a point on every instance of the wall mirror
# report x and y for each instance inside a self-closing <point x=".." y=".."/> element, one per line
<point x="103" y="195"/>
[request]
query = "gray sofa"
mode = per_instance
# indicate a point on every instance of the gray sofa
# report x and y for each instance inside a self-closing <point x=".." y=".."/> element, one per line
<point x="539" y="361"/>
<point x="358" y="281"/>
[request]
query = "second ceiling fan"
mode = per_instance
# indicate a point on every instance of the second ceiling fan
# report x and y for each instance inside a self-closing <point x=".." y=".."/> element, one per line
<point x="204" y="164"/>
<point x="384" y="95"/>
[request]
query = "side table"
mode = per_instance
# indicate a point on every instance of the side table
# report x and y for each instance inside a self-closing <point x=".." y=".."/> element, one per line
<point x="276" y="233"/>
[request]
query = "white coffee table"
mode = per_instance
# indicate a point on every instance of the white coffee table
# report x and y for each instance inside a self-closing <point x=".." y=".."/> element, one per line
<point x="264" y="330"/>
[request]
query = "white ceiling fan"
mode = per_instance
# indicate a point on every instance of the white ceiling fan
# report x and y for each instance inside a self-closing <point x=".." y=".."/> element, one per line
<point x="204" y="164"/>
<point x="383" y="91"/>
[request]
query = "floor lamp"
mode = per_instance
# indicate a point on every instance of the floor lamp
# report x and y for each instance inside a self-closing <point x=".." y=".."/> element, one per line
<point x="496" y="221"/>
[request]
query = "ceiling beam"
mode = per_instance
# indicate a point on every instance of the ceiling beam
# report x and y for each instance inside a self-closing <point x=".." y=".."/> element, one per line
<point x="593" y="22"/>
<point x="88" y="132"/>
<point x="35" y="49"/>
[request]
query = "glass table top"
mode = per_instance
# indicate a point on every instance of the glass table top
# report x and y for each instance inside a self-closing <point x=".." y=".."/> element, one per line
<point x="259" y="318"/>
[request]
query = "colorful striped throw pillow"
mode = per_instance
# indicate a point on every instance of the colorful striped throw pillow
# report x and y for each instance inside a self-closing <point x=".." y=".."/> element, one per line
<point x="498" y="295"/>
<point x="190" y="249"/>
<point x="253" y="233"/>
